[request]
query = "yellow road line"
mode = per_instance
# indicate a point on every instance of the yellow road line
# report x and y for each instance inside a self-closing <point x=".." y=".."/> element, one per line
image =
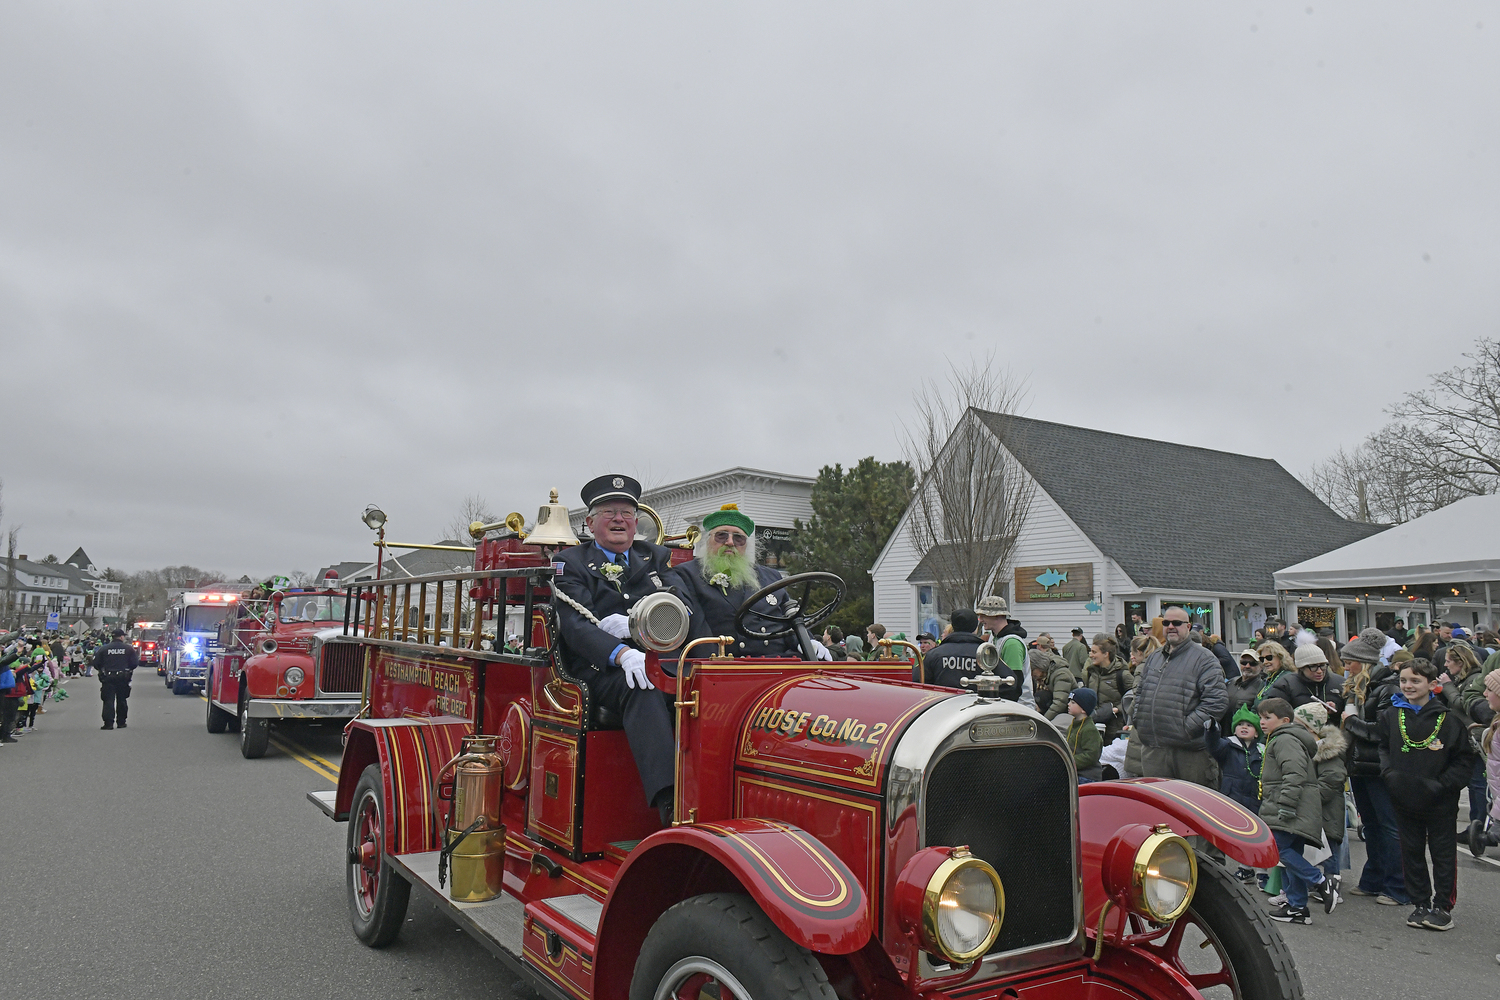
<point x="315" y="762"/>
<point x="310" y="763"/>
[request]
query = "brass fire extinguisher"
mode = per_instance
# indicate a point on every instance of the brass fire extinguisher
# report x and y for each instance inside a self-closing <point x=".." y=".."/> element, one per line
<point x="474" y="838"/>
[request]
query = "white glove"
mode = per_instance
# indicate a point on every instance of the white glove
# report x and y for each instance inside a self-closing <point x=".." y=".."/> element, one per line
<point x="822" y="651"/>
<point x="633" y="662"/>
<point x="616" y="625"/>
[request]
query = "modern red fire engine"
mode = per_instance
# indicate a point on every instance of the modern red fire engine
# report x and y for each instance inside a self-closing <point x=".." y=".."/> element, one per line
<point x="839" y="832"/>
<point x="283" y="661"/>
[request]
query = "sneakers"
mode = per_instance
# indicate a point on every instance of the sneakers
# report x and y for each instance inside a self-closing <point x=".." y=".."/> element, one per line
<point x="1246" y="875"/>
<point x="1328" y="891"/>
<point x="9" y="740"/>
<point x="1418" y="915"/>
<point x="1437" y="920"/>
<point x="1277" y="900"/>
<point x="1385" y="900"/>
<point x="1288" y="915"/>
<point x="1357" y="891"/>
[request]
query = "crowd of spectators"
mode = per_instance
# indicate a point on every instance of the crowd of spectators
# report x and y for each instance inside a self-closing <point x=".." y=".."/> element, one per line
<point x="32" y="672"/>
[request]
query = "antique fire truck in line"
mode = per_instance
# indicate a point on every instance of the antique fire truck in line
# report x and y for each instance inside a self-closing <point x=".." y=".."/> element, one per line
<point x="282" y="661"/>
<point x="840" y="831"/>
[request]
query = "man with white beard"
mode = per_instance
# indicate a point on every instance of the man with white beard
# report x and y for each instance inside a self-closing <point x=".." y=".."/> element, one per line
<point x="719" y="579"/>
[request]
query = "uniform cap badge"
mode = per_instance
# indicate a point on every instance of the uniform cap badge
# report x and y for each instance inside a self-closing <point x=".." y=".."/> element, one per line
<point x="771" y="600"/>
<point x="617" y="482"/>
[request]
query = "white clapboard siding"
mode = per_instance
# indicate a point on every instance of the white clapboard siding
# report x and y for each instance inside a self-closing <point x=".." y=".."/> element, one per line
<point x="895" y="599"/>
<point x="1051" y="538"/>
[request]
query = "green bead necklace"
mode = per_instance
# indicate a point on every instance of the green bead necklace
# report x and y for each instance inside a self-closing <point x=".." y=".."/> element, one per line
<point x="1408" y="744"/>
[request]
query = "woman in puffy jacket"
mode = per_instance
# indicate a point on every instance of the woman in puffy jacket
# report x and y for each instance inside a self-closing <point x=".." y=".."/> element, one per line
<point x="1382" y="876"/>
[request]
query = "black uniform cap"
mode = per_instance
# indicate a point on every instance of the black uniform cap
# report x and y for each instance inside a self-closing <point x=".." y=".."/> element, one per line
<point x="118" y="631"/>
<point x="611" y="487"/>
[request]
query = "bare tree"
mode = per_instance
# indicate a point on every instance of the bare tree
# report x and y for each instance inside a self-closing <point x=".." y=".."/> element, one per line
<point x="1443" y="445"/>
<point x="972" y="497"/>
<point x="472" y="508"/>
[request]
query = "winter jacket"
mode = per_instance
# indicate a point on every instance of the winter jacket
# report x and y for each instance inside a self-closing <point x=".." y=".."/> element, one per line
<point x="1178" y="693"/>
<point x="1242" y="690"/>
<point x="1492" y="774"/>
<point x="1290" y="798"/>
<point x="955" y="658"/>
<point x="1329" y="764"/>
<point x="1291" y="685"/>
<point x="1231" y="668"/>
<point x="1468" y="692"/>
<point x="1059" y="680"/>
<point x="1422" y="778"/>
<point x="1363" y="728"/>
<point x="1076" y="653"/>
<point x="1239" y="768"/>
<point x="1111" y="684"/>
<point x="1086" y="744"/>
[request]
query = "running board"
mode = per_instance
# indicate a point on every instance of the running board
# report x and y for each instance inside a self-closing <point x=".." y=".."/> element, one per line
<point x="325" y="800"/>
<point x="548" y="943"/>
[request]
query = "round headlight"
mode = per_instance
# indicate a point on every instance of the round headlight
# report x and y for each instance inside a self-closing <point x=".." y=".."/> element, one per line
<point x="294" y="676"/>
<point x="963" y="907"/>
<point x="1166" y="872"/>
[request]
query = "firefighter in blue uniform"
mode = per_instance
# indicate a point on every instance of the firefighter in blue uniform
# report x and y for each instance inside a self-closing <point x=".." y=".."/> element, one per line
<point x="606" y="575"/>
<point x="113" y="662"/>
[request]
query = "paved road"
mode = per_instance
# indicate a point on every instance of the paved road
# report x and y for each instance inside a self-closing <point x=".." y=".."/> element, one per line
<point x="157" y="862"/>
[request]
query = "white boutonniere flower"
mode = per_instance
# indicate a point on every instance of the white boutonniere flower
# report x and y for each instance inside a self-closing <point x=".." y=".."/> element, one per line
<point x="612" y="572"/>
<point x="720" y="580"/>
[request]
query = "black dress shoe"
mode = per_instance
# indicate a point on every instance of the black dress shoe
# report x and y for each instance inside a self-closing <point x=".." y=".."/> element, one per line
<point x="106" y="726"/>
<point x="120" y="726"/>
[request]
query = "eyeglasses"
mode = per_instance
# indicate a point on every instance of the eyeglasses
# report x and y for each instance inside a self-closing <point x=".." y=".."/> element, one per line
<point x="611" y="513"/>
<point x="1173" y="623"/>
<point x="729" y="537"/>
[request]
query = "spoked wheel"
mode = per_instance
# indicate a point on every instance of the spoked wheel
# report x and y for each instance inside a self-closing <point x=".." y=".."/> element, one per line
<point x="722" y="945"/>
<point x="1227" y="945"/>
<point x="377" y="895"/>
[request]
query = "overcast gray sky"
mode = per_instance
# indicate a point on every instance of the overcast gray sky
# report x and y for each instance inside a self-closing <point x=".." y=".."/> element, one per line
<point x="264" y="263"/>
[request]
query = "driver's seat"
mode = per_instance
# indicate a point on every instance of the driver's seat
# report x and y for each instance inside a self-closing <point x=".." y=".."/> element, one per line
<point x="594" y="715"/>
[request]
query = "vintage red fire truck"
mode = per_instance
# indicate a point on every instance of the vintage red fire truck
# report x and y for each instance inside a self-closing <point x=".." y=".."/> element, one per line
<point x="840" y="831"/>
<point x="282" y="661"/>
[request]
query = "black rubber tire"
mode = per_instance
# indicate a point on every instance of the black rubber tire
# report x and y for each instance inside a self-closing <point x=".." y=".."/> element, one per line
<point x="168" y="679"/>
<point x="255" y="734"/>
<point x="380" y="926"/>
<point x="1252" y="941"/>
<point x="1475" y="838"/>
<point x="730" y="930"/>
<point x="218" y="719"/>
<point x="182" y="687"/>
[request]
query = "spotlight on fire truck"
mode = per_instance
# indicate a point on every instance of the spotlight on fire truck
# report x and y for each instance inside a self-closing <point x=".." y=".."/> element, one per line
<point x="1152" y="870"/>
<point x="950" y="903"/>
<point x="659" y="622"/>
<point x="373" y="517"/>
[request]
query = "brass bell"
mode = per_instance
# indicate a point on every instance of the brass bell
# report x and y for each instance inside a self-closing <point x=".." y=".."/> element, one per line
<point x="552" y="527"/>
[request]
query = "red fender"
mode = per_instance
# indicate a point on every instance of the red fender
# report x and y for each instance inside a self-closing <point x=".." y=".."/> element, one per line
<point x="410" y="752"/>
<point x="801" y="885"/>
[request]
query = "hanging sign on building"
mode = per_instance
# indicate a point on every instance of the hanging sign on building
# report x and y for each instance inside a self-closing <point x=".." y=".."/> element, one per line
<point x="1055" y="582"/>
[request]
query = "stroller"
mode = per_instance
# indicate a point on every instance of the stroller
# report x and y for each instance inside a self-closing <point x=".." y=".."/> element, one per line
<point x="1482" y="833"/>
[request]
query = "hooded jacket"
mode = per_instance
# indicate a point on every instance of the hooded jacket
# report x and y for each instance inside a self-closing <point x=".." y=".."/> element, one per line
<point x="1178" y="693"/>
<point x="1110" y="683"/>
<point x="1291" y="800"/>
<point x="1242" y="691"/>
<point x="1329" y="764"/>
<point x="1423" y="777"/>
<point x="1058" y="680"/>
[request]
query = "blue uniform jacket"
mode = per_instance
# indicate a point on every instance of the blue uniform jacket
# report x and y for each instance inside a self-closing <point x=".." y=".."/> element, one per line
<point x="587" y="646"/>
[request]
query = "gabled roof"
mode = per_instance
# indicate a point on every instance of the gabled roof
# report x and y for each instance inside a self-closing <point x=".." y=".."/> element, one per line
<point x="1175" y="516"/>
<point x="79" y="558"/>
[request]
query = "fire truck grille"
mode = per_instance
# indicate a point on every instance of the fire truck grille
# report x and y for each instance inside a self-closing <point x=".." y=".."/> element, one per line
<point x="1013" y="806"/>
<point x="343" y="668"/>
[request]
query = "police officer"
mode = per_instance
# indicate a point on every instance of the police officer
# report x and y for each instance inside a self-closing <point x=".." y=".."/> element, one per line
<point x="114" y="661"/>
<point x="956" y="657"/>
<point x="606" y="575"/>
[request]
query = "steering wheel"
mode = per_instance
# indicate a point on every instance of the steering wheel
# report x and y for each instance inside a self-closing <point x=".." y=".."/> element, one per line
<point x="792" y="619"/>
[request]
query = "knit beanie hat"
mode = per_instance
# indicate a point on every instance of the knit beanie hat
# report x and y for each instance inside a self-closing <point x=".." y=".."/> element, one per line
<point x="1086" y="698"/>
<point x="1492" y="682"/>
<point x="1306" y="637"/>
<point x="1365" y="647"/>
<point x="1309" y="656"/>
<point x="1313" y="713"/>
<point x="1401" y="656"/>
<point x="1245" y="714"/>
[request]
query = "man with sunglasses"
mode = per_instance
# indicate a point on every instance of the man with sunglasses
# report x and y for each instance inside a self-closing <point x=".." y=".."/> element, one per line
<point x="1244" y="689"/>
<point x="1180" y="694"/>
<point x="722" y="575"/>
<point x="607" y="574"/>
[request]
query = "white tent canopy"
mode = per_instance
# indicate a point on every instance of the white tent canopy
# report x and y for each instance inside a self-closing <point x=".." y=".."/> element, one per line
<point x="1458" y="544"/>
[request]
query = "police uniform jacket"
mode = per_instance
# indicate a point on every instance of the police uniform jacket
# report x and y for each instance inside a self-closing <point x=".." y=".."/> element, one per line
<point x="116" y="657"/>
<point x="587" y="647"/>
<point x="955" y="658"/>
<point x="714" y="610"/>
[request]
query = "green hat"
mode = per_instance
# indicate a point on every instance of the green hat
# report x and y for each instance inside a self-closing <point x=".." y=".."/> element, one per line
<point x="1245" y="715"/>
<point x="729" y="514"/>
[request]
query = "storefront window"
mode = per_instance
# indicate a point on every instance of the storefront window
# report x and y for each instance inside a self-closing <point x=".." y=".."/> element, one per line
<point x="1201" y="614"/>
<point x="1242" y="630"/>
<point x="1135" y="617"/>
<point x="1316" y="618"/>
<point x="773" y="546"/>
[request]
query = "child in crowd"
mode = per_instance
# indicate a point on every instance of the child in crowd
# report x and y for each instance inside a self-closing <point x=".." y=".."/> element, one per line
<point x="1239" y="760"/>
<point x="1083" y="736"/>
<point x="1426" y="760"/>
<point x="1292" y="806"/>
<point x="1331" y="771"/>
